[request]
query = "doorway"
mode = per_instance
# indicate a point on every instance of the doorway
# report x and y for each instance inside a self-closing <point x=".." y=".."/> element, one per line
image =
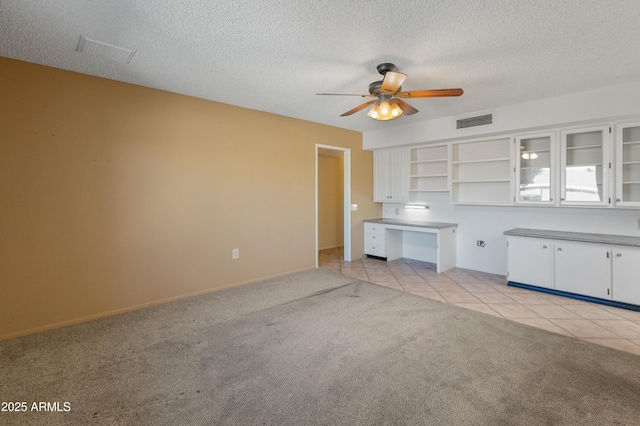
<point x="345" y="155"/>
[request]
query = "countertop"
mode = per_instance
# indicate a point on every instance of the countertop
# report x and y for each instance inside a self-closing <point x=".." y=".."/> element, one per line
<point x="622" y="240"/>
<point x="400" y="222"/>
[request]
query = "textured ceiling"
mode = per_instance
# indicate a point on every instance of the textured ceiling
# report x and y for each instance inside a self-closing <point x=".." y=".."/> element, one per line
<point x="274" y="55"/>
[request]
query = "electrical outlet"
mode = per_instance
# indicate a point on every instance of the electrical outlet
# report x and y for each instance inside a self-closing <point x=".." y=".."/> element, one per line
<point x="235" y="253"/>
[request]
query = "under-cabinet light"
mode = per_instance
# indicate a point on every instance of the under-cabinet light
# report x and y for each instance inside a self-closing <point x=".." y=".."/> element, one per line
<point x="416" y="206"/>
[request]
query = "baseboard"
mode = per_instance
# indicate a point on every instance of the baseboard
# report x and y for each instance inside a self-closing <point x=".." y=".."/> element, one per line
<point x="330" y="247"/>
<point x="582" y="297"/>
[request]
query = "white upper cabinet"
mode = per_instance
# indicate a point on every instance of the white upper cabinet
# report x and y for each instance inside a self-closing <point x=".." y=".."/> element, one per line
<point x="391" y="175"/>
<point x="535" y="171"/>
<point x="628" y="165"/>
<point x="584" y="170"/>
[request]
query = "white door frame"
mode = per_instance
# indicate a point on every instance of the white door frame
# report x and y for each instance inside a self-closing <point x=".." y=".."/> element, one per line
<point x="346" y="152"/>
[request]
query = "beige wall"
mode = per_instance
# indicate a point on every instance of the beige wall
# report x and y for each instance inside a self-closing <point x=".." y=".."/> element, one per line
<point x="330" y="201"/>
<point x="116" y="196"/>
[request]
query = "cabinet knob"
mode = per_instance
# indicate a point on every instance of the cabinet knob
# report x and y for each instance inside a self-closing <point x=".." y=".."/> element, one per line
<point x="544" y="247"/>
<point x="559" y="248"/>
<point x="562" y="199"/>
<point x="619" y="255"/>
<point x="617" y="200"/>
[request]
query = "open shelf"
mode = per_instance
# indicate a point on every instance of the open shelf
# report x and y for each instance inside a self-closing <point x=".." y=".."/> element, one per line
<point x="429" y="169"/>
<point x="481" y="172"/>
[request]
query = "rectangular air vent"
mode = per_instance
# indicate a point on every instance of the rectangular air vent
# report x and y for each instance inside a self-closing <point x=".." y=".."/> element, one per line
<point x="104" y="50"/>
<point x="480" y="120"/>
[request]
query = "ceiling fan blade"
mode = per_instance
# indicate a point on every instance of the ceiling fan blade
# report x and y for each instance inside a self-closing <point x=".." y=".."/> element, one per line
<point x="430" y="93"/>
<point x="392" y="82"/>
<point x="358" y="108"/>
<point x="406" y="108"/>
<point x="346" y="94"/>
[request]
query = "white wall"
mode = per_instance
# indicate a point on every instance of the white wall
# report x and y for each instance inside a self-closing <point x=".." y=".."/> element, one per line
<point x="488" y="223"/>
<point x="594" y="106"/>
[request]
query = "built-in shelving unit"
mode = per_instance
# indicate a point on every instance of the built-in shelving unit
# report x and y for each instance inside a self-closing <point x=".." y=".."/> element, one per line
<point x="628" y="165"/>
<point x="481" y="172"/>
<point x="590" y="166"/>
<point x="429" y="171"/>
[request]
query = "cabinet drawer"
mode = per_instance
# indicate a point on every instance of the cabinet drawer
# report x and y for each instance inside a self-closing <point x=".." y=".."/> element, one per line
<point x="370" y="238"/>
<point x="373" y="228"/>
<point x="374" y="249"/>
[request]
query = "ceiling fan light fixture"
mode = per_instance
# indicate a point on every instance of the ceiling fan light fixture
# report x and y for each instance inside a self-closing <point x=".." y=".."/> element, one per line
<point x="385" y="110"/>
<point x="387" y="94"/>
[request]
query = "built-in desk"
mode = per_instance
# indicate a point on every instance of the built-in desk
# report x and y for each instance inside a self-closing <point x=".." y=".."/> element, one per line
<point x="391" y="239"/>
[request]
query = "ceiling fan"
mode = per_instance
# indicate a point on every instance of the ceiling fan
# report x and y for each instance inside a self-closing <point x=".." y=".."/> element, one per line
<point x="388" y="103"/>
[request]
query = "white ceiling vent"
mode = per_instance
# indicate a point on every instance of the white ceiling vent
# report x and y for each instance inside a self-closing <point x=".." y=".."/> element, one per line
<point x="480" y="120"/>
<point x="104" y="50"/>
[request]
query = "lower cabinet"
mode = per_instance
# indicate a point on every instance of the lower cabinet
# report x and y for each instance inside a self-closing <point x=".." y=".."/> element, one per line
<point x="583" y="268"/>
<point x="626" y="265"/>
<point x="529" y="261"/>
<point x="602" y="271"/>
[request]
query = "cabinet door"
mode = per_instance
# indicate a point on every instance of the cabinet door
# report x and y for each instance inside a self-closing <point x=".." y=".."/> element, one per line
<point x="628" y="165"/>
<point x="626" y="285"/>
<point x="381" y="176"/>
<point x="583" y="268"/>
<point x="536" y="169"/>
<point x="584" y="176"/>
<point x="399" y="176"/>
<point x="529" y="261"/>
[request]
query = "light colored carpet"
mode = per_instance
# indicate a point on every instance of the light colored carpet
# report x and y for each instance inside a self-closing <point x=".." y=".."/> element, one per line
<point x="316" y="348"/>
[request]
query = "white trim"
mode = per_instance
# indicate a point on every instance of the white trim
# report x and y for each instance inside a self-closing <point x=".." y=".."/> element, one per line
<point x="347" y="198"/>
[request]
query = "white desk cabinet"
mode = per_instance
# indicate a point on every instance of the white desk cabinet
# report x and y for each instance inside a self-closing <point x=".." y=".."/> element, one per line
<point x="392" y="239"/>
<point x="597" y="267"/>
<point x="374" y="241"/>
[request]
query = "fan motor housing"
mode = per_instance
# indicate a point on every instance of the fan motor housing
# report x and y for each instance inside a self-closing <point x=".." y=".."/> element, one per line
<point x="374" y="88"/>
<point x="387" y="66"/>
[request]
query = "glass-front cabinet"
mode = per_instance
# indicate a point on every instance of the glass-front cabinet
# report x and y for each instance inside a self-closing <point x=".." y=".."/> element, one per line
<point x="536" y="169"/>
<point x="584" y="170"/>
<point x="628" y="165"/>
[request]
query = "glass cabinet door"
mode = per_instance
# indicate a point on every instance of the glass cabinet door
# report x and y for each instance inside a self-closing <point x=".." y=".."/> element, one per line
<point x="535" y="169"/>
<point x="585" y="166"/>
<point x="628" y="165"/>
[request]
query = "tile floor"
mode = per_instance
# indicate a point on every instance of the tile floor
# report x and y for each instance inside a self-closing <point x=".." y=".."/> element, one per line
<point x="488" y="293"/>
